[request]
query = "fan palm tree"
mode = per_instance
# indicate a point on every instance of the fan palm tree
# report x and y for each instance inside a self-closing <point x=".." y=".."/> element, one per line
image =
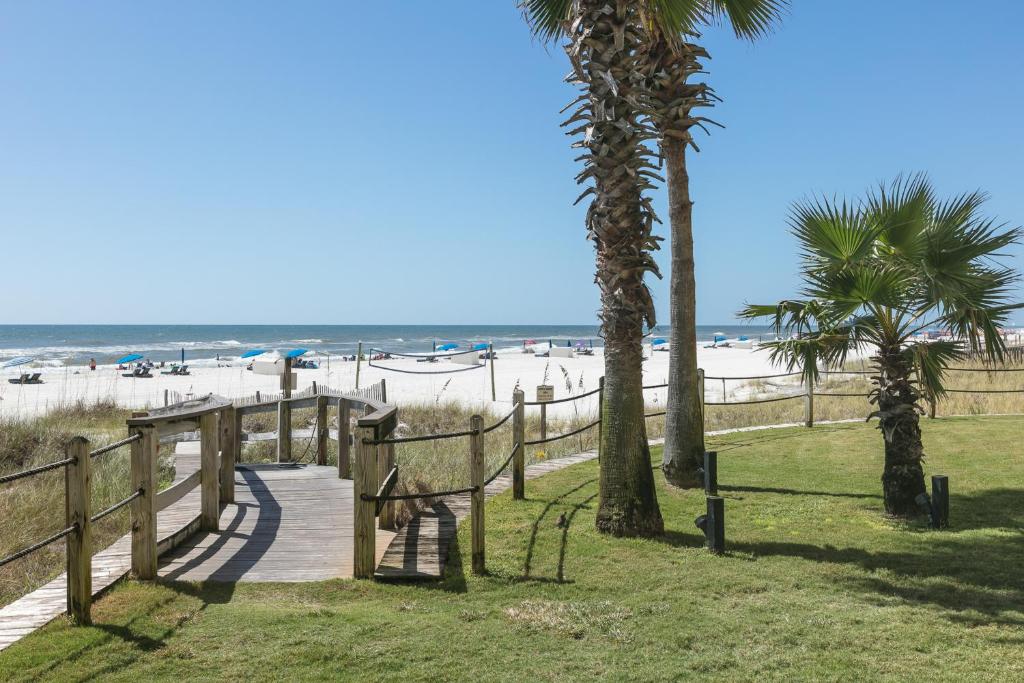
<point x="605" y="37"/>
<point x="876" y="274"/>
<point x="670" y="58"/>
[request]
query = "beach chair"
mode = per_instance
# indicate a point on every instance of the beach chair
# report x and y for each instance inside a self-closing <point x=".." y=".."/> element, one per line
<point x="36" y="378"/>
<point x="172" y="371"/>
<point x="183" y="370"/>
<point x="23" y="379"/>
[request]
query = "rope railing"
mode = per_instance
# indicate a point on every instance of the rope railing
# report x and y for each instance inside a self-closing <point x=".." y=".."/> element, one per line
<point x="754" y="401"/>
<point x="417" y="496"/>
<point x="370" y="364"/>
<point x="656" y="386"/>
<point x="502" y="421"/>
<point x="116" y="506"/>
<point x="422" y="437"/>
<point x="562" y="400"/>
<point x="784" y="374"/>
<point x="985" y="391"/>
<point x="840" y="394"/>
<point x="37" y="546"/>
<point x="655" y="414"/>
<point x="501" y="469"/>
<point x="562" y="436"/>
<point x="35" y="470"/>
<point x="114" y="446"/>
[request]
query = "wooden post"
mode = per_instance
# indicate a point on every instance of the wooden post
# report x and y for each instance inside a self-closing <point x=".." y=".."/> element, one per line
<point x="809" y="405"/>
<point x="286" y="378"/>
<point x="143" y="455"/>
<point x="165" y="397"/>
<point x="344" y="457"/>
<point x="237" y="440"/>
<point x="228" y="454"/>
<point x="700" y="392"/>
<point x="321" y="430"/>
<point x="77" y="487"/>
<point x="209" y="507"/>
<point x="476" y="479"/>
<point x="715" y="531"/>
<point x="543" y="421"/>
<point x="364" y="481"/>
<point x="359" y="361"/>
<point x="490" y="359"/>
<point x="284" y="431"/>
<point x="383" y="390"/>
<point x="385" y="461"/>
<point x="711" y="473"/>
<point x="519" y="440"/>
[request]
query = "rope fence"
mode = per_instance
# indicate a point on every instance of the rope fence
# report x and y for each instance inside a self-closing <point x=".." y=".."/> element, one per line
<point x="505" y="464"/>
<point x="116" y="506"/>
<point x="37" y="546"/>
<point x="114" y="446"/>
<point x="35" y="470"/>
<point x="500" y="422"/>
<point x="562" y="436"/>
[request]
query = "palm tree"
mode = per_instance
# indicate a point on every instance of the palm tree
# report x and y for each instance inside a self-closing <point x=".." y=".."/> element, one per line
<point x="876" y="274"/>
<point x="670" y="59"/>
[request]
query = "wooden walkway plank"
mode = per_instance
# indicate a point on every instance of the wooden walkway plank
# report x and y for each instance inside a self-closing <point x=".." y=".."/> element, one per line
<point x="420" y="548"/>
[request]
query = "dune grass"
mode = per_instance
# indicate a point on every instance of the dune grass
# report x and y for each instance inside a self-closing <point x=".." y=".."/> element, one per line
<point x="816" y="584"/>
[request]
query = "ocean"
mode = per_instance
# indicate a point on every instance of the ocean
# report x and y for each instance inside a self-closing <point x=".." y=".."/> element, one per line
<point x="76" y="344"/>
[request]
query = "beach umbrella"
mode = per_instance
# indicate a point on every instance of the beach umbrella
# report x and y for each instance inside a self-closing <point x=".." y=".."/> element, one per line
<point x="253" y="352"/>
<point x="14" y="362"/>
<point x="447" y="347"/>
<point x="659" y="340"/>
<point x="129" y="358"/>
<point x="295" y="353"/>
<point x="479" y="347"/>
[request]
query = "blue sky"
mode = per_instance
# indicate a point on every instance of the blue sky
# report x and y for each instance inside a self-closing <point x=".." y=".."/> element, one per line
<point x="390" y="162"/>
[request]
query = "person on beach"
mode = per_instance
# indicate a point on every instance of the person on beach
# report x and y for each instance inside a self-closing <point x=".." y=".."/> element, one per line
<point x="92" y="364"/>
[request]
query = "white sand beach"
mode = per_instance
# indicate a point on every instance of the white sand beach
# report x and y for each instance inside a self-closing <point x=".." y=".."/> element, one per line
<point x="70" y="384"/>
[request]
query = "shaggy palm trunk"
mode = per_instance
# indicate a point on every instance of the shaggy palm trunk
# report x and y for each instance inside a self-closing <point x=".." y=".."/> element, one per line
<point x="684" y="423"/>
<point x="605" y="38"/>
<point x="899" y="421"/>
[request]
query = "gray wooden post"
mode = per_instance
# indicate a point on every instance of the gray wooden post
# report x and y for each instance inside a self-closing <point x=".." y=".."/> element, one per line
<point x="78" y="486"/>
<point x="359" y="361"/>
<point x="383" y="390"/>
<point x="385" y="461"/>
<point x="321" y="430"/>
<point x="809" y="405"/>
<point x="476" y="479"/>
<point x="364" y="481"/>
<point x="543" y="421"/>
<point x="284" y="431"/>
<point x="519" y="440"/>
<point x="143" y="464"/>
<point x="229" y="439"/>
<point x="490" y="359"/>
<point x="209" y="507"/>
<point x="344" y="453"/>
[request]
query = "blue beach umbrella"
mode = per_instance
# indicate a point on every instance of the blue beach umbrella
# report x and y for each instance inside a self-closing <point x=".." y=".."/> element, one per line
<point x="447" y="347"/>
<point x="659" y="340"/>
<point x="14" y="362"/>
<point x="479" y="347"/>
<point x="129" y="358"/>
<point x="295" y="353"/>
<point x="254" y="352"/>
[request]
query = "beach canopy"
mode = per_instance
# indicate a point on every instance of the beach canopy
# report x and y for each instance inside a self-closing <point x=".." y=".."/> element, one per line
<point x="20" y="360"/>
<point x="295" y="353"/>
<point x="447" y="347"/>
<point x="254" y="352"/>
<point x="659" y="340"/>
<point x="480" y="347"/>
<point x="719" y="338"/>
<point x="129" y="358"/>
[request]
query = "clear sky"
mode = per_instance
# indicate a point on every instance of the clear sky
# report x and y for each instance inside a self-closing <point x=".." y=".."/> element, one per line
<point x="402" y="162"/>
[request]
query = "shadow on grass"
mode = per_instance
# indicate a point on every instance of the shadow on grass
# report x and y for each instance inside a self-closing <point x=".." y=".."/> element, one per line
<point x="757" y="438"/>
<point x="795" y="492"/>
<point x="535" y="530"/>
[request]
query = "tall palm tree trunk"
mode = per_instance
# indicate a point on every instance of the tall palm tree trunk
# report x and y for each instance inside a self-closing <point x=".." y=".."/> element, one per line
<point x="603" y="51"/>
<point x="684" y="423"/>
<point x="899" y="421"/>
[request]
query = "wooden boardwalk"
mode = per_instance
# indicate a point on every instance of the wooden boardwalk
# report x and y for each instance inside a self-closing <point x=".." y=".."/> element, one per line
<point x="420" y="548"/>
<point x="41" y="606"/>
<point x="288" y="523"/>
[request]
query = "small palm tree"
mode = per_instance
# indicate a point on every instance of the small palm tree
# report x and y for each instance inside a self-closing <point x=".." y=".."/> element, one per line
<point x="879" y="272"/>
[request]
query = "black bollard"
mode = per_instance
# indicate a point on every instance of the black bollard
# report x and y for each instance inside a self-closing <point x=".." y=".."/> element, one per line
<point x="711" y="472"/>
<point x="713" y="524"/>
<point x="940" y="501"/>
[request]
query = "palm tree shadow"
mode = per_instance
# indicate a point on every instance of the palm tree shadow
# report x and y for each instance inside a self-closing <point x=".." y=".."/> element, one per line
<point x="794" y="492"/>
<point x="535" y="529"/>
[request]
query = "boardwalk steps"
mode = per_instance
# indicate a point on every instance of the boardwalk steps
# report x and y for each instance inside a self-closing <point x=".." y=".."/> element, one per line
<point x="420" y="548"/>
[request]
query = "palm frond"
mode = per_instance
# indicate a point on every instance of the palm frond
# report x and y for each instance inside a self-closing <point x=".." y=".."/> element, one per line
<point x="546" y="17"/>
<point x="930" y="360"/>
<point x="750" y="19"/>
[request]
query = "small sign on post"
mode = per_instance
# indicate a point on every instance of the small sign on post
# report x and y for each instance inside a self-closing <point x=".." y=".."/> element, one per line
<point x="545" y="393"/>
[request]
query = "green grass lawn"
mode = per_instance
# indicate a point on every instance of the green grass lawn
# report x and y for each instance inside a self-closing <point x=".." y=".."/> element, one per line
<point x="816" y="584"/>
